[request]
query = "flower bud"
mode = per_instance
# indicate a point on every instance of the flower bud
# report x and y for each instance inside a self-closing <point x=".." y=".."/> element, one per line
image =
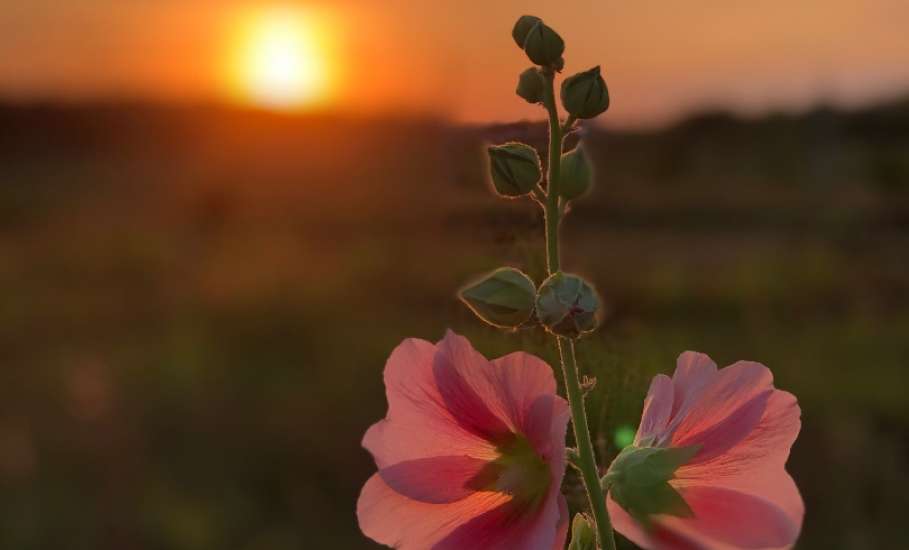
<point x="575" y="177"/>
<point x="544" y="46"/>
<point x="583" y="536"/>
<point x="638" y="481"/>
<point x="503" y="298"/>
<point x="515" y="169"/>
<point x="585" y="95"/>
<point x="522" y="29"/>
<point x="530" y="85"/>
<point x="567" y="305"/>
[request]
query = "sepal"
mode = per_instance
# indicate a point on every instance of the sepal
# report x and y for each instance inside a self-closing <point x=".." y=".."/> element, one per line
<point x="638" y="481"/>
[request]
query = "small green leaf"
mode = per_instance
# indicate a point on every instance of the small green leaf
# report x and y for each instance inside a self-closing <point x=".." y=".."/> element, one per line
<point x="503" y="298"/>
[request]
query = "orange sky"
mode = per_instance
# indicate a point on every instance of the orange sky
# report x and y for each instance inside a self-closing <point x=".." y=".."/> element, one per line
<point x="661" y="58"/>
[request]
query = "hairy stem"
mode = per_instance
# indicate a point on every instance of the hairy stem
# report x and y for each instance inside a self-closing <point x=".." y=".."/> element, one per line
<point x="555" y="156"/>
<point x="586" y="458"/>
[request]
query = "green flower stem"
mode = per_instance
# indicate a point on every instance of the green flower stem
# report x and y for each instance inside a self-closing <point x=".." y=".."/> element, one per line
<point x="552" y="189"/>
<point x="586" y="458"/>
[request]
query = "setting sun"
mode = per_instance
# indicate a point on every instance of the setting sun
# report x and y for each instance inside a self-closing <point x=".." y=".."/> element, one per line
<point x="280" y="60"/>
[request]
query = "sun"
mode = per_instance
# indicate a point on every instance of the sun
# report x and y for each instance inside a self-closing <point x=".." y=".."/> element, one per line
<point x="280" y="60"/>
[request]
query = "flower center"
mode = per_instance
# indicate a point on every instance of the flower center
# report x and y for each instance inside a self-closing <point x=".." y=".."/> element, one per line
<point x="518" y="471"/>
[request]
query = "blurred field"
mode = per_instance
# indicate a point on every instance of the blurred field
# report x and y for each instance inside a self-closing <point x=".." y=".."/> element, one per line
<point x="198" y="303"/>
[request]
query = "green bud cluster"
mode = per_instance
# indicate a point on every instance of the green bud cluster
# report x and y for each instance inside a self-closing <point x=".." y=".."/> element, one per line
<point x="566" y="305"/>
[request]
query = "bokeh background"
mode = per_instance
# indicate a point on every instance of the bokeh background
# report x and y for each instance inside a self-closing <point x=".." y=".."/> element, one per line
<point x="201" y="285"/>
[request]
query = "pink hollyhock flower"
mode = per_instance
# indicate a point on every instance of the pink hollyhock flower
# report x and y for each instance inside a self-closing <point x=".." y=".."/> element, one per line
<point x="471" y="454"/>
<point x="707" y="468"/>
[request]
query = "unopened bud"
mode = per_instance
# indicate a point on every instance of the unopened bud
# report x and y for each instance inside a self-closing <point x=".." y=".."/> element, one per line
<point x="585" y="95"/>
<point x="576" y="176"/>
<point x="522" y="29"/>
<point x="530" y="85"/>
<point x="515" y="169"/>
<point x="503" y="298"/>
<point x="583" y="536"/>
<point x="544" y="46"/>
<point x="567" y="305"/>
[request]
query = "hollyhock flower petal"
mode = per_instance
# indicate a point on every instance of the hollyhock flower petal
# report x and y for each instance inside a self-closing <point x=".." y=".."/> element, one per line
<point x="506" y="528"/>
<point x="756" y="465"/>
<point x="545" y="426"/>
<point x="693" y="372"/>
<point x="489" y="401"/>
<point x="722" y="519"/>
<point x="562" y="528"/>
<point x="394" y="520"/>
<point x="730" y="517"/>
<point x="519" y="379"/>
<point x="735" y="485"/>
<point x="625" y="524"/>
<point x="725" y="434"/>
<point x="418" y="424"/>
<point x="659" y="537"/>
<point x="715" y="397"/>
<point x="463" y="379"/>
<point x="435" y="480"/>
<point x="657" y="408"/>
<point x="471" y="454"/>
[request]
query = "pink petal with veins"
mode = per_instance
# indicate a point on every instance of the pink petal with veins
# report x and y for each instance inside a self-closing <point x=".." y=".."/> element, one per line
<point x="452" y="415"/>
<point x="736" y="485"/>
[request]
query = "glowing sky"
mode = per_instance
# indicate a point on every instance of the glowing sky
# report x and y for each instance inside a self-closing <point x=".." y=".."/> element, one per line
<point x="661" y="58"/>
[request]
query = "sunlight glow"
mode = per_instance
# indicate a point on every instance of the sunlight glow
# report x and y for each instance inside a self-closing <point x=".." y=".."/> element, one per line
<point x="281" y="60"/>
